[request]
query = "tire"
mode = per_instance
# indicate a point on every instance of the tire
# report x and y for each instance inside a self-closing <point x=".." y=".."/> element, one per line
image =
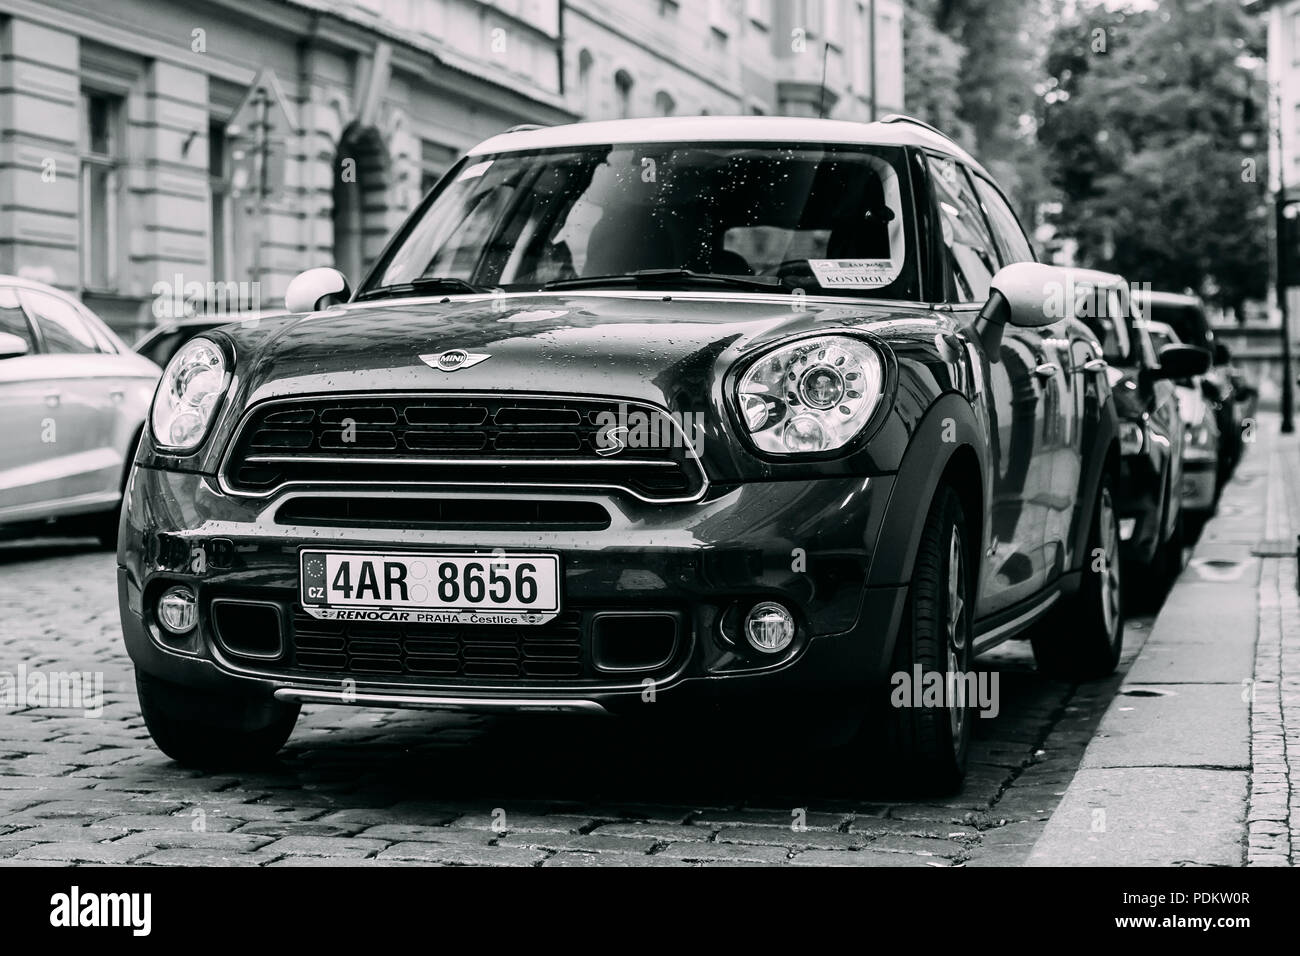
<point x="213" y="731"/>
<point x="1169" y="560"/>
<point x="926" y="747"/>
<point x="1148" y="584"/>
<point x="1082" y="637"/>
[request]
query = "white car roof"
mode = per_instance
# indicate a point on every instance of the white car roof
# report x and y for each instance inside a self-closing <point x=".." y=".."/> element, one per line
<point x="725" y="129"/>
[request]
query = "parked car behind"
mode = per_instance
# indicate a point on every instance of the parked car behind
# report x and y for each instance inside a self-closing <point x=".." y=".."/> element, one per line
<point x="73" y="400"/>
<point x="1203" y="445"/>
<point x="164" y="340"/>
<point x="754" y="416"/>
<point x="1149" y="492"/>
<point x="1185" y="314"/>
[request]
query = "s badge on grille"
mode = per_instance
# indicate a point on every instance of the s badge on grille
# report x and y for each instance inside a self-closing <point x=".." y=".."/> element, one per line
<point x="452" y="359"/>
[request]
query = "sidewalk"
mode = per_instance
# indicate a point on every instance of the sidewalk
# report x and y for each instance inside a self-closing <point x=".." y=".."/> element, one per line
<point x="1190" y="763"/>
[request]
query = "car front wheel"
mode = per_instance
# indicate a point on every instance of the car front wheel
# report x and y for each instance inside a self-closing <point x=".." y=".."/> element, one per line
<point x="213" y="731"/>
<point x="927" y="741"/>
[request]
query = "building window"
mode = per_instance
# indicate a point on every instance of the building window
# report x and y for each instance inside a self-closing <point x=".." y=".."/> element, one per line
<point x="585" y="63"/>
<point x="101" y="158"/>
<point x="665" y="105"/>
<point x="863" y="55"/>
<point x="219" y="188"/>
<point x="435" y="160"/>
<point x="623" y="93"/>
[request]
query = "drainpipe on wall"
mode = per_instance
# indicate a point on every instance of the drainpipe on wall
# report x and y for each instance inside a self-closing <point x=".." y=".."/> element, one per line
<point x="871" y="43"/>
<point x="560" y="41"/>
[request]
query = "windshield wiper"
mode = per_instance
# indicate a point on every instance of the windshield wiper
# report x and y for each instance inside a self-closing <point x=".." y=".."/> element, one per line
<point x="657" y="277"/>
<point x="424" y="285"/>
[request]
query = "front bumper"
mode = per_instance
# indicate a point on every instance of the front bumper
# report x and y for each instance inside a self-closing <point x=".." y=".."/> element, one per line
<point x="1200" y="483"/>
<point x="805" y="544"/>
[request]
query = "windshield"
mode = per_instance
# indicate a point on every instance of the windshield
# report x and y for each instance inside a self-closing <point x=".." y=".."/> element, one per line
<point x="1187" y="321"/>
<point x="827" y="220"/>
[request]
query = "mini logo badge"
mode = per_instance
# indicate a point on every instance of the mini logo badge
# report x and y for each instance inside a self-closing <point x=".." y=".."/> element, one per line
<point x="452" y="359"/>
<point x="611" y="441"/>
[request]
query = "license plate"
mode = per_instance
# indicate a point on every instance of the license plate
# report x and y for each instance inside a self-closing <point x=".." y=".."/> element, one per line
<point x="430" y="587"/>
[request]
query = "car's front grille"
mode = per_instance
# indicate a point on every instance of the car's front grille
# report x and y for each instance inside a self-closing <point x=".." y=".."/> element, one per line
<point x="460" y="439"/>
<point x="551" y="651"/>
<point x="559" y="651"/>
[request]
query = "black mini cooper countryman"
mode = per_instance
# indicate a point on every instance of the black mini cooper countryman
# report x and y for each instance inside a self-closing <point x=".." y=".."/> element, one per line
<point x="706" y="413"/>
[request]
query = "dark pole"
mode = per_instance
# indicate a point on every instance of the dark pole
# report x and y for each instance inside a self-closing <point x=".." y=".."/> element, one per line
<point x="1280" y="208"/>
<point x="871" y="43"/>
<point x="1288" y="382"/>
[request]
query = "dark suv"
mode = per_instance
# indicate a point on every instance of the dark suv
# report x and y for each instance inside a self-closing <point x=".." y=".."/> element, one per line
<point x="709" y="412"/>
<point x="1185" y="314"/>
<point x="1149" y="493"/>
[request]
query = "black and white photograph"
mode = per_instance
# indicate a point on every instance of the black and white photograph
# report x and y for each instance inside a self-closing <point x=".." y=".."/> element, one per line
<point x="796" y="434"/>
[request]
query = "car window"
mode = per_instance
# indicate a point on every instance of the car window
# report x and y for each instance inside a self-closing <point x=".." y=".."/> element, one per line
<point x="1161" y="336"/>
<point x="1013" y="245"/>
<point x="1142" y="341"/>
<point x="62" y="329"/>
<point x="1187" y="321"/>
<point x="1107" y="323"/>
<point x="971" y="252"/>
<point x="103" y="337"/>
<point x="12" y="318"/>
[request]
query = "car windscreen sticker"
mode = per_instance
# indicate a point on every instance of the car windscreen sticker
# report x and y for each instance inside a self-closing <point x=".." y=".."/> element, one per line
<point x="853" y="273"/>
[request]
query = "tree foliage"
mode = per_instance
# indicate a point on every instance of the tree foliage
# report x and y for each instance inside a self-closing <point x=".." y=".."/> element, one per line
<point x="973" y="68"/>
<point x="1142" y="126"/>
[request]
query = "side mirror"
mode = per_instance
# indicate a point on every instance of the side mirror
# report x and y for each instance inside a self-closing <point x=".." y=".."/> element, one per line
<point x="1182" y="361"/>
<point x="12" y="346"/>
<point x="1033" y="294"/>
<point x="315" y="289"/>
<point x="1222" y="354"/>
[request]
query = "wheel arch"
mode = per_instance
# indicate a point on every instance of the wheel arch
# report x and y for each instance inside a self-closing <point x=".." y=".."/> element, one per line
<point x="949" y="426"/>
<point x="1105" y="461"/>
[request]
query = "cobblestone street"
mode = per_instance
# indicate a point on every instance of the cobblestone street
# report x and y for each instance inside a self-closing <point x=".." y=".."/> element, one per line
<point x="370" y="787"/>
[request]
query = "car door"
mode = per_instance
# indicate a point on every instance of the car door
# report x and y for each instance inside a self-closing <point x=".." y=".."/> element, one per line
<point x="1061" y="440"/>
<point x="1165" y="422"/>
<point x="1014" y="568"/>
<point x="82" y="466"/>
<point x="24" y="392"/>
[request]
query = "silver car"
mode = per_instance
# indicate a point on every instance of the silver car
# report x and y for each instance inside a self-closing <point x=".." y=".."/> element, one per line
<point x="73" y="398"/>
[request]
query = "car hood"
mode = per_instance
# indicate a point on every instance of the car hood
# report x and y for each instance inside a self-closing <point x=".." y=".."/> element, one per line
<point x="672" y="350"/>
<point x="659" y="348"/>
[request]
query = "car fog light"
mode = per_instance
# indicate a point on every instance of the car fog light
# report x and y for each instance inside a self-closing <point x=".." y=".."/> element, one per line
<point x="769" y="628"/>
<point x="177" y="610"/>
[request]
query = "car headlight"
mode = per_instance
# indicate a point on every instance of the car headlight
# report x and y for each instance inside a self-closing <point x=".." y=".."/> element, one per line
<point x="811" y="396"/>
<point x="1132" y="438"/>
<point x="188" y="394"/>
